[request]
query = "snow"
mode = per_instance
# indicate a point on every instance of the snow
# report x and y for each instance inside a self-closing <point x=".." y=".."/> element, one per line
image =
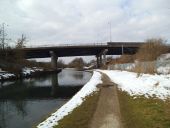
<point x="162" y="65"/>
<point x="76" y="100"/>
<point x="27" y="71"/>
<point x="164" y="57"/>
<point x="88" y="67"/>
<point x="126" y="66"/>
<point x="148" y="85"/>
<point x="6" y="75"/>
<point x="163" y="70"/>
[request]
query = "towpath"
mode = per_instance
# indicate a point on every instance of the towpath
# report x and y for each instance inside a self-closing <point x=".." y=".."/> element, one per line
<point x="107" y="114"/>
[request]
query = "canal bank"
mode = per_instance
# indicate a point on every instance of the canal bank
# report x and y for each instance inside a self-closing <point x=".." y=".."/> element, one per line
<point x="77" y="100"/>
<point x="95" y="105"/>
<point x="26" y="73"/>
<point x="26" y="102"/>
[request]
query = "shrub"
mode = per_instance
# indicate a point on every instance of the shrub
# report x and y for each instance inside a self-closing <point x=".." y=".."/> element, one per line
<point x="122" y="59"/>
<point x="144" y="67"/>
<point x="77" y="63"/>
<point x="151" y="50"/>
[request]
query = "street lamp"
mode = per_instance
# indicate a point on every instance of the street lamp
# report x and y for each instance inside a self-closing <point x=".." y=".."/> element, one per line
<point x="110" y="31"/>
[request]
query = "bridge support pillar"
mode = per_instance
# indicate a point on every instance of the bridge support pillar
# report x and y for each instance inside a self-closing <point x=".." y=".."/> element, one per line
<point x="98" y="61"/>
<point x="104" y="56"/>
<point x="101" y="61"/>
<point x="55" y="85"/>
<point x="54" y="59"/>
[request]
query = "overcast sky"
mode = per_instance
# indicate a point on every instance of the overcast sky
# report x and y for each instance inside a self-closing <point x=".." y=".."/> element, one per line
<point x="85" y="21"/>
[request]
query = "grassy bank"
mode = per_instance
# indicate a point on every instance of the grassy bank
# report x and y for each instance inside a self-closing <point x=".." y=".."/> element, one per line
<point x="144" y="113"/>
<point x="81" y="116"/>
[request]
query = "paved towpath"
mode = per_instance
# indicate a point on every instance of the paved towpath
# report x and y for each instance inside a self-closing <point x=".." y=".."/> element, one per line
<point x="107" y="114"/>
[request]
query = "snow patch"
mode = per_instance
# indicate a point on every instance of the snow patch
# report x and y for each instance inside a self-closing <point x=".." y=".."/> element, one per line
<point x="164" y="57"/>
<point x="163" y="70"/>
<point x="28" y="71"/>
<point x="25" y="72"/>
<point x="6" y="75"/>
<point x="76" y="101"/>
<point x="145" y="84"/>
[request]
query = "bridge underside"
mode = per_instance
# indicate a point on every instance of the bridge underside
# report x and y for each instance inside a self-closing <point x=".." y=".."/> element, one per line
<point x="111" y="48"/>
<point x="98" y="51"/>
<point x="86" y="50"/>
<point x="67" y="52"/>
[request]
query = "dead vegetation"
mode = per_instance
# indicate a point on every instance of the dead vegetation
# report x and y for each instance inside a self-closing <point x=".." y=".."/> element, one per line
<point x="144" y="67"/>
<point x="147" y="54"/>
<point x="122" y="59"/>
<point x="77" y="63"/>
<point x="145" y="57"/>
<point x="151" y="50"/>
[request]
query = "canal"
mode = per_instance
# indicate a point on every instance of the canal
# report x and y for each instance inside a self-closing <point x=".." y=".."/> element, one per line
<point x="25" y="103"/>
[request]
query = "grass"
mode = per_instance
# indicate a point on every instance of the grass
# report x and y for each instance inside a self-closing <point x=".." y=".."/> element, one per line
<point x="81" y="116"/>
<point x="144" y="113"/>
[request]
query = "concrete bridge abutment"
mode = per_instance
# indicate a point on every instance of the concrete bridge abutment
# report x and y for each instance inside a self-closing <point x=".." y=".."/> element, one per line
<point x="54" y="59"/>
<point x="100" y="60"/>
<point x="54" y="81"/>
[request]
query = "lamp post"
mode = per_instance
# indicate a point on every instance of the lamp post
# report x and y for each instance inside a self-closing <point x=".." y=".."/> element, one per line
<point x="110" y="31"/>
<point x="3" y="34"/>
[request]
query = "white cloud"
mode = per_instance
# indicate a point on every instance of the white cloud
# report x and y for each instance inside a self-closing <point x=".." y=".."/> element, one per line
<point x="76" y="21"/>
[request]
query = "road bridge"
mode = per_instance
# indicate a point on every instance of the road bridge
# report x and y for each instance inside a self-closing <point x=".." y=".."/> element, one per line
<point x="109" y="48"/>
<point x="114" y="48"/>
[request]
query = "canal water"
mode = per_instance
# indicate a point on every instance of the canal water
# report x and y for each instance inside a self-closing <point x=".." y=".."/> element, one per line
<point x="25" y="103"/>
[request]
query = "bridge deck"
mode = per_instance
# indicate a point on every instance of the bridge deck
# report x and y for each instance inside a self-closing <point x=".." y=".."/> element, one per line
<point x="114" y="48"/>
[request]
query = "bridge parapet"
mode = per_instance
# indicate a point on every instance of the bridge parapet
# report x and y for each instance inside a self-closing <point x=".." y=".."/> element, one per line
<point x="68" y="45"/>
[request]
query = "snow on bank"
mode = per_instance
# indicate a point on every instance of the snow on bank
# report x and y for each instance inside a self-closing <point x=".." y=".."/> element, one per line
<point x="161" y="65"/>
<point x="28" y="71"/>
<point x="164" y="57"/>
<point x="76" y="100"/>
<point x="5" y="75"/>
<point x="145" y="84"/>
<point x="163" y="70"/>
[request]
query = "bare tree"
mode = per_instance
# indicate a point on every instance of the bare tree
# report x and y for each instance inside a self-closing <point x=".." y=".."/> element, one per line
<point x="77" y="63"/>
<point x="3" y="36"/>
<point x="21" y="42"/>
<point x="19" y="54"/>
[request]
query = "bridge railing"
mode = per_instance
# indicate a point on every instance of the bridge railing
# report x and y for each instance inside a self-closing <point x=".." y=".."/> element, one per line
<point x="67" y="45"/>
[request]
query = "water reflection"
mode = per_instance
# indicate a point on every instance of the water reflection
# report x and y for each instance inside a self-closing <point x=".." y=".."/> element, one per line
<point x="78" y="75"/>
<point x="54" y="80"/>
<point x="20" y="106"/>
<point x="29" y="115"/>
<point x="24" y="103"/>
<point x="72" y="77"/>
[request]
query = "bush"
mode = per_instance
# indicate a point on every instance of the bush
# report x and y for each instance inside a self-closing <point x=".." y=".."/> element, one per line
<point x="147" y="54"/>
<point x="144" y="67"/>
<point x="151" y="50"/>
<point x="122" y="59"/>
<point x="77" y="63"/>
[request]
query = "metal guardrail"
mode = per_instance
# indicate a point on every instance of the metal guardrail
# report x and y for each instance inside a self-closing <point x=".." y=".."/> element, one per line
<point x="86" y="44"/>
<point x="69" y="45"/>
